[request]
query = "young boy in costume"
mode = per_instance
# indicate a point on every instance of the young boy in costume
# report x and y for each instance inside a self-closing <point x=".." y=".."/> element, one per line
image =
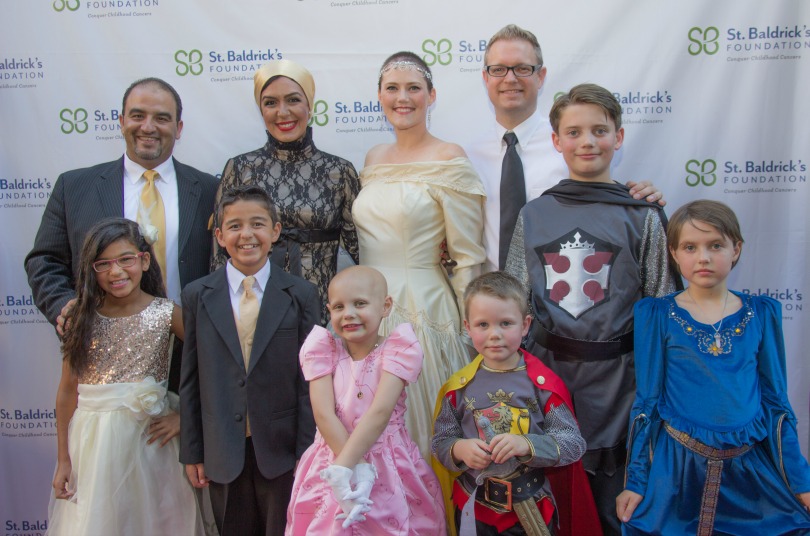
<point x="502" y="422"/>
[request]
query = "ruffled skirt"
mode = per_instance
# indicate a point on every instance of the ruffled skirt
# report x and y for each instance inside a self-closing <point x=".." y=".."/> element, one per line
<point x="122" y="485"/>
<point x="407" y="497"/>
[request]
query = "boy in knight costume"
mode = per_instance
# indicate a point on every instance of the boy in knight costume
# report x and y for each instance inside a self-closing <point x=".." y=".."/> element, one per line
<point x="504" y="424"/>
<point x="587" y="252"/>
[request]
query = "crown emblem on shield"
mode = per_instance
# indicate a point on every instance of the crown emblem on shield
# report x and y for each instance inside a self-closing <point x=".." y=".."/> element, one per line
<point x="576" y="244"/>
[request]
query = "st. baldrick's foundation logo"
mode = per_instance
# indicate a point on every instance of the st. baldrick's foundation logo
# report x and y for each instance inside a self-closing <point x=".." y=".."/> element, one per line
<point x="577" y="267"/>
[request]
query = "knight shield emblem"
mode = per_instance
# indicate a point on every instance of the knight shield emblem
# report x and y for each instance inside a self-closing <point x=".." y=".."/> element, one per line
<point x="577" y="267"/>
<point x="501" y="417"/>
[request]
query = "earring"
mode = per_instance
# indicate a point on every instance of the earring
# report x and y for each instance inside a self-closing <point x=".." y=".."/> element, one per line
<point x="428" y="119"/>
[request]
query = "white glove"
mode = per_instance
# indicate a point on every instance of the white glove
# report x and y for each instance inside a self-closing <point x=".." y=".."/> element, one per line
<point x="338" y="478"/>
<point x="363" y="478"/>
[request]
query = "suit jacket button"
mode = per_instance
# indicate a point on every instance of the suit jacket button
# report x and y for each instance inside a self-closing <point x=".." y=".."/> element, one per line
<point x="241" y="383"/>
<point x="237" y="418"/>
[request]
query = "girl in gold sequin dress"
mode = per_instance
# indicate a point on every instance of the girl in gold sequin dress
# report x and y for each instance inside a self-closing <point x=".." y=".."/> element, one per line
<point x="117" y="464"/>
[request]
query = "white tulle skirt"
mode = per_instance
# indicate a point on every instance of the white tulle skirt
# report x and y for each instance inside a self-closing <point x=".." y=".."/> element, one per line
<point x="122" y="485"/>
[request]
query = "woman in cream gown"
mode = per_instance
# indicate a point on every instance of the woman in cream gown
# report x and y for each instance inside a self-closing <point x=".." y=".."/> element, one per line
<point x="417" y="194"/>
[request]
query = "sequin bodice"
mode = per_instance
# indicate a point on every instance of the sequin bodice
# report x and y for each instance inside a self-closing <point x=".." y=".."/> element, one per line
<point x="131" y="348"/>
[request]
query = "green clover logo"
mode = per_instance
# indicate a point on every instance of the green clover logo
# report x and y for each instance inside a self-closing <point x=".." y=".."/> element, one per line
<point x="73" y="120"/>
<point x="319" y="115"/>
<point x="188" y="62"/>
<point x="437" y="51"/>
<point x="698" y="172"/>
<point x="703" y="40"/>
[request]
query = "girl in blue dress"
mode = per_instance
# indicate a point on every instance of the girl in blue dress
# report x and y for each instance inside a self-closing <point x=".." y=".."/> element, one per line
<point x="712" y="447"/>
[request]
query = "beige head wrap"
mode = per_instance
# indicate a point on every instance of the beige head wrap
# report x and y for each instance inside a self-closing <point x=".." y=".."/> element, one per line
<point x="287" y="68"/>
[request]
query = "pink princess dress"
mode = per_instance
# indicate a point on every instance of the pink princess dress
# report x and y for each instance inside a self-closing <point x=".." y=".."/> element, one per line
<point x="407" y="497"/>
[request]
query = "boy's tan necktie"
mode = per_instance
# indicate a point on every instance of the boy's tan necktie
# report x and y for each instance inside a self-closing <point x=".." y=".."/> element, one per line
<point x="248" y="313"/>
<point x="152" y="212"/>
<point x="246" y="326"/>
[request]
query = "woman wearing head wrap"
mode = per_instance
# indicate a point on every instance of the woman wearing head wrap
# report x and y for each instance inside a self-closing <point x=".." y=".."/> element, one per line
<point x="312" y="190"/>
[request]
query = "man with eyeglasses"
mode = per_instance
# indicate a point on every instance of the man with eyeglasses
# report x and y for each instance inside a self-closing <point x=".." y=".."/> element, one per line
<point x="514" y="74"/>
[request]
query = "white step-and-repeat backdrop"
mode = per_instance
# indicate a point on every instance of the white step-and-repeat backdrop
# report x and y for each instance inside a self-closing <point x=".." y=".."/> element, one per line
<point x="714" y="95"/>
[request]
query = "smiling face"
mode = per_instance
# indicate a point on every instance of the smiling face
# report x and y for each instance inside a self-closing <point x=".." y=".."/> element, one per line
<point x="405" y="97"/>
<point x="587" y="139"/>
<point x="285" y="109"/>
<point x="121" y="283"/>
<point x="704" y="255"/>
<point x="358" y="302"/>
<point x="149" y="125"/>
<point x="247" y="233"/>
<point x="514" y="98"/>
<point x="496" y="327"/>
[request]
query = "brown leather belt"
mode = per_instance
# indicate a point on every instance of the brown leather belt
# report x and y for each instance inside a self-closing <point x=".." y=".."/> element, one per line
<point x="703" y="449"/>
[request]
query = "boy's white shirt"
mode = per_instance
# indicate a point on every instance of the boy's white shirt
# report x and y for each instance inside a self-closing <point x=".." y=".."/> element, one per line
<point x="235" y="278"/>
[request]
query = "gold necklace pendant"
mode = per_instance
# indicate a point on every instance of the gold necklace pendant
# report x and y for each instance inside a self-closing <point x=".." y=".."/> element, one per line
<point x="359" y="394"/>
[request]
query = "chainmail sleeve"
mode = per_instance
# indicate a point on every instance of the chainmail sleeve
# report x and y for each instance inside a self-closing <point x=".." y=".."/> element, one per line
<point x="562" y="426"/>
<point x="446" y="432"/>
<point x="561" y="430"/>
<point x="657" y="277"/>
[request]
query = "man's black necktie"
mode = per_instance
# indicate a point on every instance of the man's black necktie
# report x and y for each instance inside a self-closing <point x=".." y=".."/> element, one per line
<point x="513" y="195"/>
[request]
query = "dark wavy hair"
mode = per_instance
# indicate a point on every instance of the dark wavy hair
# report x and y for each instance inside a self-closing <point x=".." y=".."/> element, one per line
<point x="89" y="296"/>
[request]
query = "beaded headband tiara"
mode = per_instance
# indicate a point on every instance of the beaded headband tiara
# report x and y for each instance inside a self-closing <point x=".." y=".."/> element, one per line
<point x="405" y="65"/>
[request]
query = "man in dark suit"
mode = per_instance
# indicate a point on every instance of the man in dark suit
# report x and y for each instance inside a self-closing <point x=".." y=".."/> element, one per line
<point x="246" y="414"/>
<point x="150" y="123"/>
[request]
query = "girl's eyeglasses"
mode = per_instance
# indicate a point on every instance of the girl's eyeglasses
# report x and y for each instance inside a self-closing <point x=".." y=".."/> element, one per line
<point x="125" y="261"/>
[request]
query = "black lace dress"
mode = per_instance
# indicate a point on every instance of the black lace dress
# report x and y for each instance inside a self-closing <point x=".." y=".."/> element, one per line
<point x="313" y="192"/>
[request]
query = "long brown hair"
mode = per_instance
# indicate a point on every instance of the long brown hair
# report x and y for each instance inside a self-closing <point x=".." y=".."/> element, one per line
<point x="89" y="296"/>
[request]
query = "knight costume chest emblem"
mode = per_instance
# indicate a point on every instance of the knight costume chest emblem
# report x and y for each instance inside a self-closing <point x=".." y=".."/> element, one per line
<point x="577" y="268"/>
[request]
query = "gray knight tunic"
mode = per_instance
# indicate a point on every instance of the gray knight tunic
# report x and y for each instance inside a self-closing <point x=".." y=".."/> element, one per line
<point x="585" y="264"/>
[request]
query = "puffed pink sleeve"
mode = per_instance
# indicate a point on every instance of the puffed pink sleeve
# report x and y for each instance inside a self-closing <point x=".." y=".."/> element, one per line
<point x="402" y="354"/>
<point x="318" y="355"/>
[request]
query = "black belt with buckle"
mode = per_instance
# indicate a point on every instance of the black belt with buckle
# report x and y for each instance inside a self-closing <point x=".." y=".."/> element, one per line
<point x="567" y="349"/>
<point x="499" y="494"/>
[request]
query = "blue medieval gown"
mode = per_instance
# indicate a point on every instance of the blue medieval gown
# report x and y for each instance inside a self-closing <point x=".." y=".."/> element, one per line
<point x="724" y="400"/>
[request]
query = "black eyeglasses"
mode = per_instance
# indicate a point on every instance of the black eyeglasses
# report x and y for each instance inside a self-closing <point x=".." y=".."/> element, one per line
<point x="125" y="261"/>
<point x="521" y="71"/>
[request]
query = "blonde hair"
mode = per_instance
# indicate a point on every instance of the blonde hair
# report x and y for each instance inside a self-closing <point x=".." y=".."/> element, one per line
<point x="513" y="32"/>
<point x="497" y="285"/>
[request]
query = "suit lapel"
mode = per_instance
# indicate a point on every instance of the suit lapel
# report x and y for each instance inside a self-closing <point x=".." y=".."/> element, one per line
<point x="275" y="303"/>
<point x="188" y="196"/>
<point x="110" y="188"/>
<point x="217" y="302"/>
